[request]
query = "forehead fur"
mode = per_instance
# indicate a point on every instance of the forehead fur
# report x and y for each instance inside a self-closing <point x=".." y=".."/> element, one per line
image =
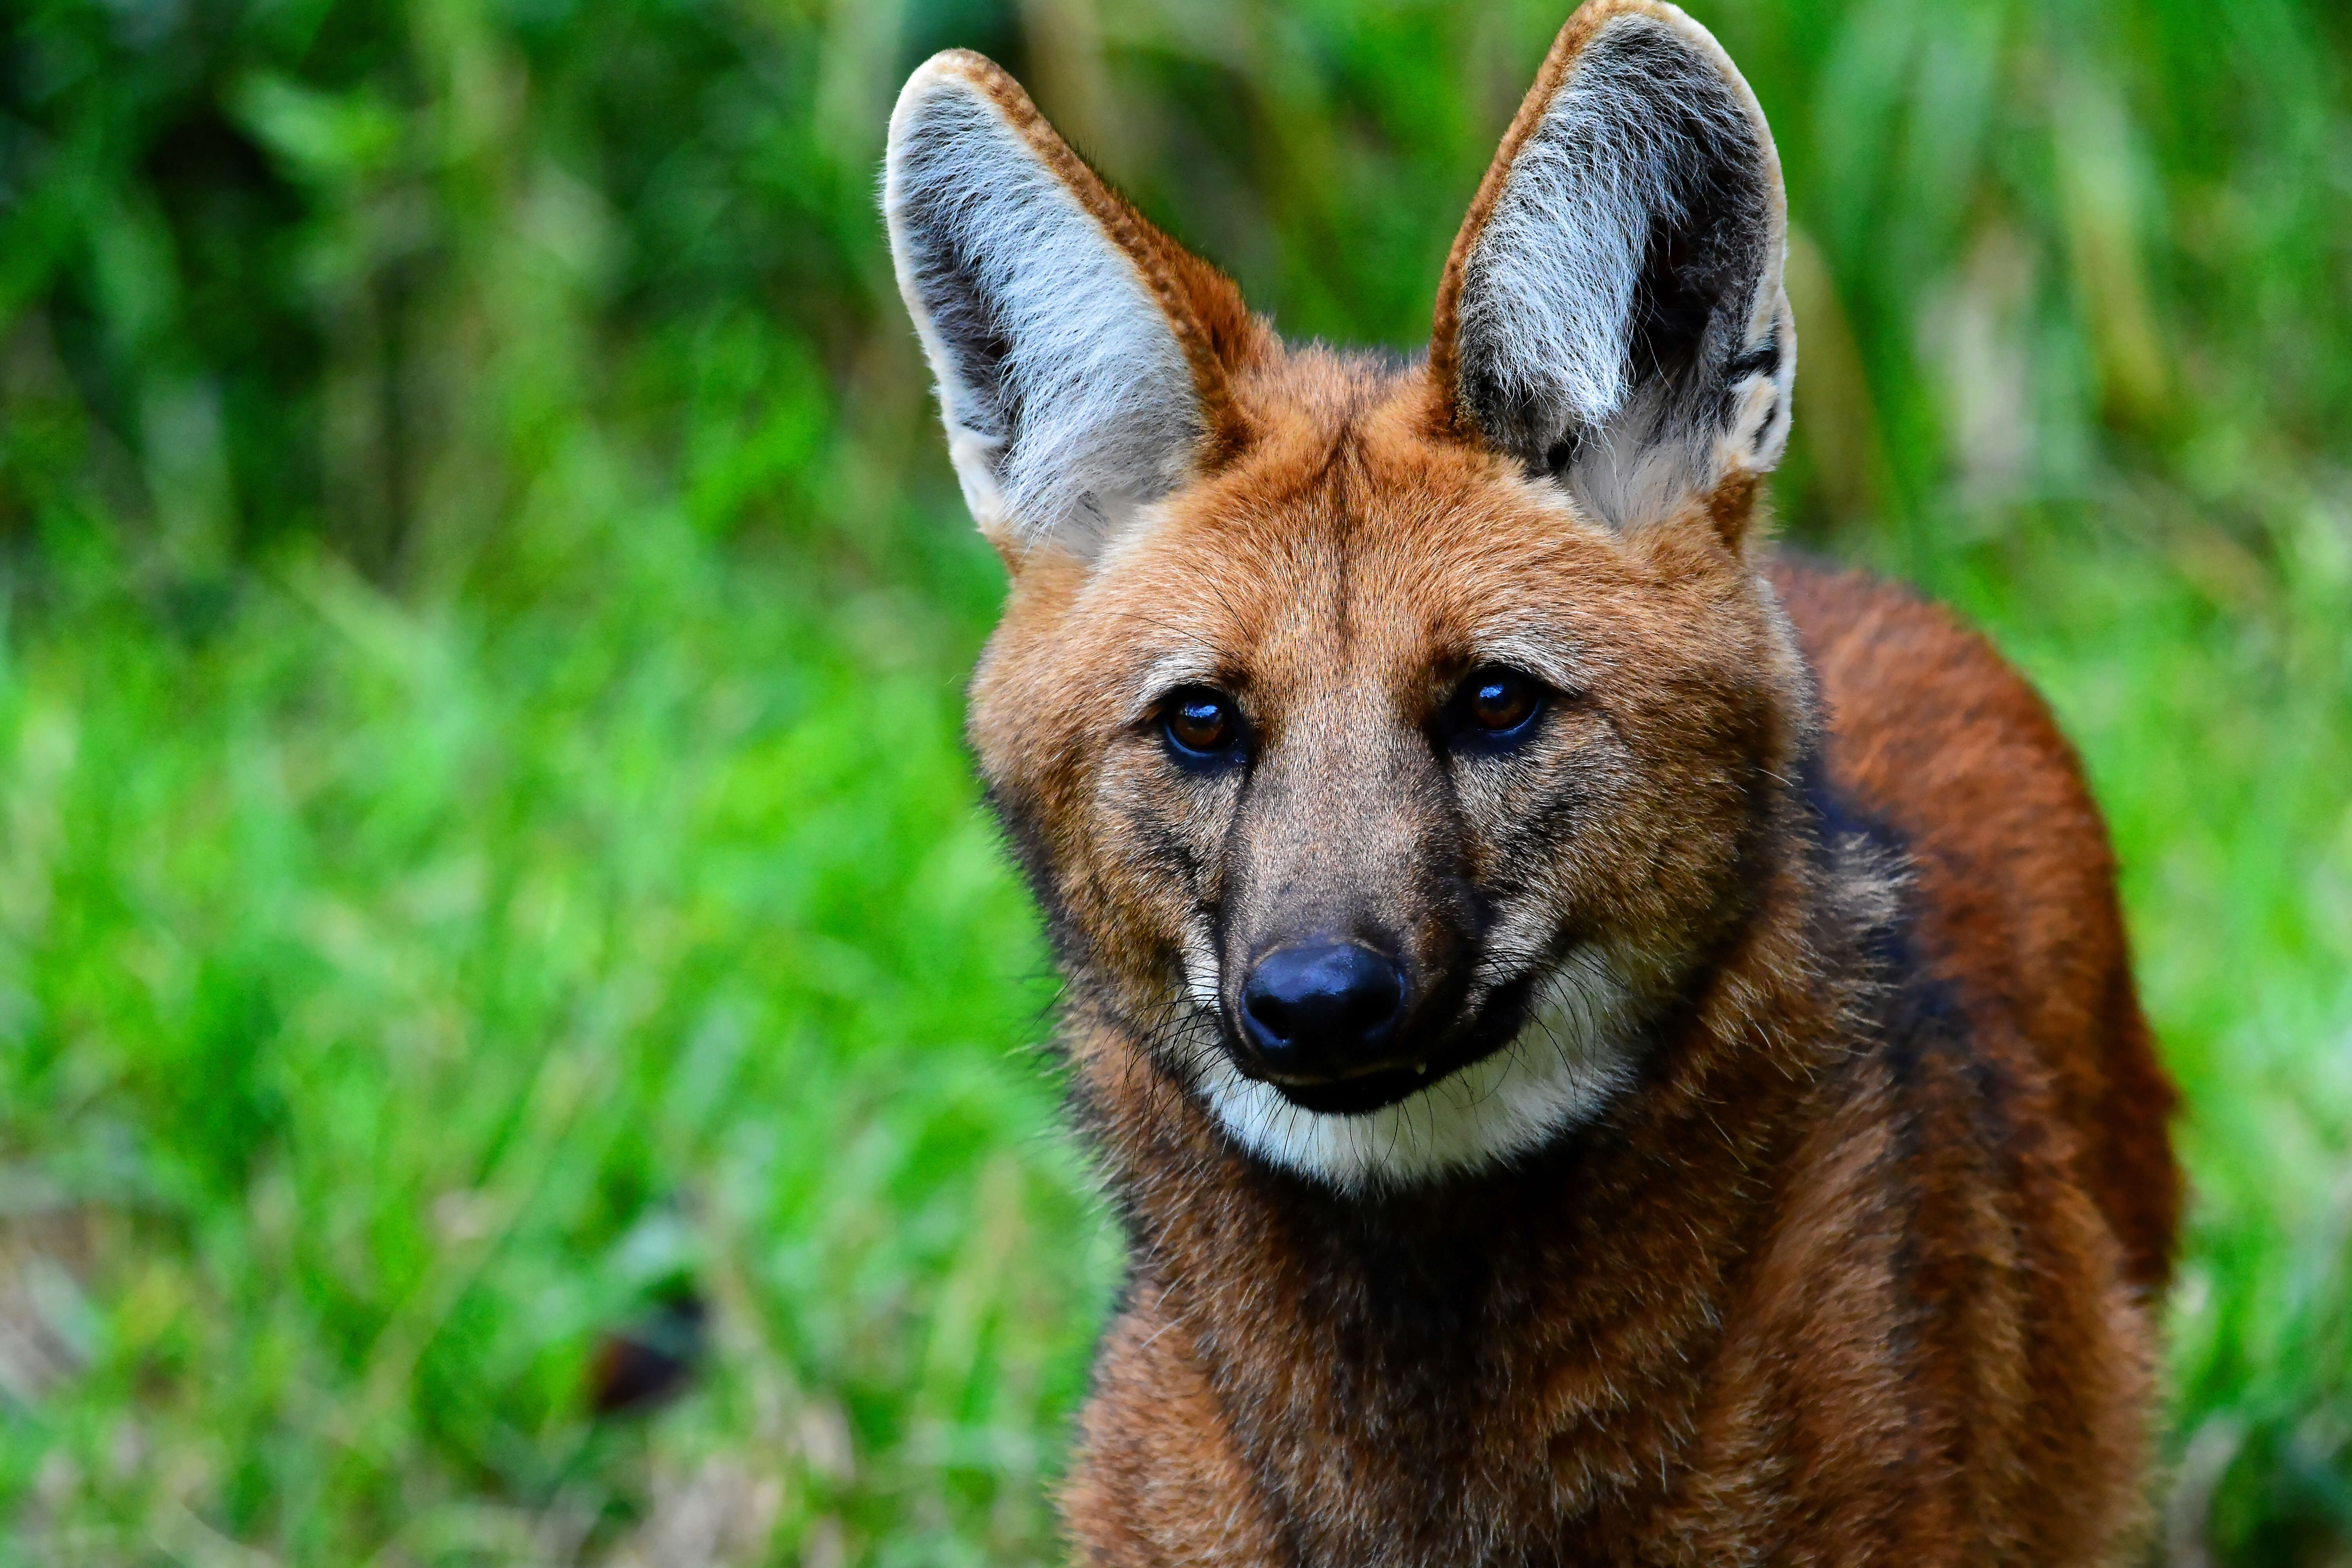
<point x="1351" y="540"/>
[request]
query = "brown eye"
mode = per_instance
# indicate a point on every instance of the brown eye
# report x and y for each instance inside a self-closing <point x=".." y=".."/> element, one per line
<point x="1499" y="703"/>
<point x="1200" y="722"/>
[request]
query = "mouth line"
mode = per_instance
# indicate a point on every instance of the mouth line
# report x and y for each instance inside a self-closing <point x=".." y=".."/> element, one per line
<point x="1497" y="1024"/>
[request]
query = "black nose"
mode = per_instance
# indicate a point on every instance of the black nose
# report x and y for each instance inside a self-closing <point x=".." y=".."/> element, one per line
<point x="1317" y="1013"/>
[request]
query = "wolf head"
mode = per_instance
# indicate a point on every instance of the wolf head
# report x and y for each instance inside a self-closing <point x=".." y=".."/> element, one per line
<point x="1388" y="747"/>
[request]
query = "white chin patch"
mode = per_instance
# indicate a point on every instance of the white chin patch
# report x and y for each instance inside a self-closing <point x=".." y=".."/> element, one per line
<point x="1574" y="1055"/>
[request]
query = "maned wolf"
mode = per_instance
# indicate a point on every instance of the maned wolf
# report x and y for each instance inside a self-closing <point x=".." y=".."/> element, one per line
<point x="1609" y="1048"/>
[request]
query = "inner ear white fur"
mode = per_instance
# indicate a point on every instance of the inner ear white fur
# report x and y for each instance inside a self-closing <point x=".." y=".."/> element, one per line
<point x="1622" y="322"/>
<point x="1068" y="399"/>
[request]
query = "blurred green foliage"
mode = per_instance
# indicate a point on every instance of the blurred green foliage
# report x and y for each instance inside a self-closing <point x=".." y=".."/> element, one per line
<point x="483" y="840"/>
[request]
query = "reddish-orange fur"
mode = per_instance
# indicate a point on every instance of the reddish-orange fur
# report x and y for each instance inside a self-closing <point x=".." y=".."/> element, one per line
<point x="1858" y="1265"/>
<point x="1929" y="725"/>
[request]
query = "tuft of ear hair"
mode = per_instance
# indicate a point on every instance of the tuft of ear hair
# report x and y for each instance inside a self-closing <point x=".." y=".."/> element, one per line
<point x="1612" y="313"/>
<point x="1082" y="357"/>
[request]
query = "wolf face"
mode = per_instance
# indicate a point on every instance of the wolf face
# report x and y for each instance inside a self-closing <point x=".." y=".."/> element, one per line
<point x="1385" y="742"/>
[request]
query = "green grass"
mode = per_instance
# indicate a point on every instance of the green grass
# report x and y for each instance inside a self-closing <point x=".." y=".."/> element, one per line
<point x="396" y="999"/>
<point x="483" y="841"/>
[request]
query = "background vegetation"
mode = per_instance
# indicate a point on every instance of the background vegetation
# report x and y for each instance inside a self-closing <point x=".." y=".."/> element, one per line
<point x="485" y="854"/>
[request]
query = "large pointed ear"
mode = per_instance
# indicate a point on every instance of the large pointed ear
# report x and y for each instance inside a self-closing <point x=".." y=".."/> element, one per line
<point x="1084" y="358"/>
<point x="1613" y="312"/>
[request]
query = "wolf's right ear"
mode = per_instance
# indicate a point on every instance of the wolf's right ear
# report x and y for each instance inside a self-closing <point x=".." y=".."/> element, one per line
<point x="1082" y="357"/>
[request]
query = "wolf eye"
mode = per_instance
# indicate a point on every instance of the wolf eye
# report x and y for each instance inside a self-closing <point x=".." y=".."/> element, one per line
<point x="1200" y="723"/>
<point x="1499" y="704"/>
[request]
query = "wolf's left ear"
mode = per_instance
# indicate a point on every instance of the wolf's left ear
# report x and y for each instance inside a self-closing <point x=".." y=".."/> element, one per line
<point x="1084" y="358"/>
<point x="1613" y="312"/>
